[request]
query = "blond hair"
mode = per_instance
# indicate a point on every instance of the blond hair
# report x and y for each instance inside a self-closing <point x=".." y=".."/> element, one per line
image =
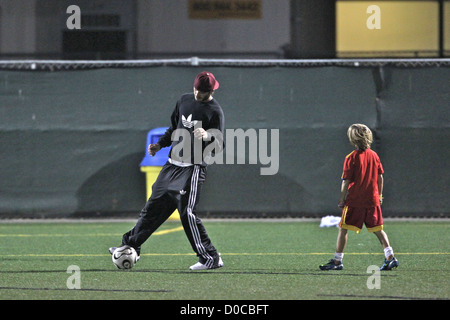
<point x="360" y="136"/>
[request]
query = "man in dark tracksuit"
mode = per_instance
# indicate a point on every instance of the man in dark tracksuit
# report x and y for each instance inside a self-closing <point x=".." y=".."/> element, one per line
<point x="196" y="123"/>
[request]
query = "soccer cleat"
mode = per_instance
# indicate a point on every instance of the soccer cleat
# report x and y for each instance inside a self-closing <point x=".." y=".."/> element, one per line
<point x="201" y="266"/>
<point x="389" y="264"/>
<point x="332" y="266"/>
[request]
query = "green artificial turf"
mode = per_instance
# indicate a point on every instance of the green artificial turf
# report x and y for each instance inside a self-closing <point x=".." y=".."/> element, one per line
<point x="263" y="261"/>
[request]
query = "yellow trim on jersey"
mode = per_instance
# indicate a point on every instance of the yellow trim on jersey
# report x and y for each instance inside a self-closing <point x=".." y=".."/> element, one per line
<point x="349" y="154"/>
<point x="342" y="177"/>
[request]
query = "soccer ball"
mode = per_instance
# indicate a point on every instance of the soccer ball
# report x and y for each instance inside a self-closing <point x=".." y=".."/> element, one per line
<point x="124" y="257"/>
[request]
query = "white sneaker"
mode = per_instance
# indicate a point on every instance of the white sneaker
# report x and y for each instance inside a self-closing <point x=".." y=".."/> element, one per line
<point x="201" y="266"/>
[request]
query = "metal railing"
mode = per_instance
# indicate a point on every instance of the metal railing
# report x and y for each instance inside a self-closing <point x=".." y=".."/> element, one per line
<point x="56" y="65"/>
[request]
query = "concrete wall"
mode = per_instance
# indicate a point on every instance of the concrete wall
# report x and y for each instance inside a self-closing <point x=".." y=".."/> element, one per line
<point x="156" y="27"/>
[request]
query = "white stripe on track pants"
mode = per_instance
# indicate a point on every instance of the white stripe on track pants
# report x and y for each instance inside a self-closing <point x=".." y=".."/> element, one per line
<point x="175" y="188"/>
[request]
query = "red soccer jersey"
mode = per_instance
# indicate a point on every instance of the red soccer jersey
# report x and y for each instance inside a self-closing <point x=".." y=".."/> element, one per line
<point x="361" y="168"/>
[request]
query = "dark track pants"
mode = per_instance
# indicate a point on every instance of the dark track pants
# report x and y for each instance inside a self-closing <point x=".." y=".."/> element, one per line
<point x="175" y="188"/>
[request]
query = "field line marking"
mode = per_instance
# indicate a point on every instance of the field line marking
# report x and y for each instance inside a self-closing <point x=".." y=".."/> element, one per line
<point x="30" y="235"/>
<point x="325" y="253"/>
<point x="224" y="254"/>
<point x="158" y="233"/>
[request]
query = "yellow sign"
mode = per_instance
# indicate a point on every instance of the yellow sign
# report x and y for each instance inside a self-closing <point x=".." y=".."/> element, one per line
<point x="225" y="9"/>
<point x="387" y="28"/>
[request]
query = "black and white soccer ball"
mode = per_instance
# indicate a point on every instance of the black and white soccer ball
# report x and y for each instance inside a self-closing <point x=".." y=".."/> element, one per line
<point x="124" y="257"/>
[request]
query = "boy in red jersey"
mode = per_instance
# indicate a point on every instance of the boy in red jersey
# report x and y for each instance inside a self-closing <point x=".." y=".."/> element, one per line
<point x="361" y="197"/>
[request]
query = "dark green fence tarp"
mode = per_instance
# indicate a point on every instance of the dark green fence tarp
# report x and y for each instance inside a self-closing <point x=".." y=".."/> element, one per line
<point x="71" y="141"/>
